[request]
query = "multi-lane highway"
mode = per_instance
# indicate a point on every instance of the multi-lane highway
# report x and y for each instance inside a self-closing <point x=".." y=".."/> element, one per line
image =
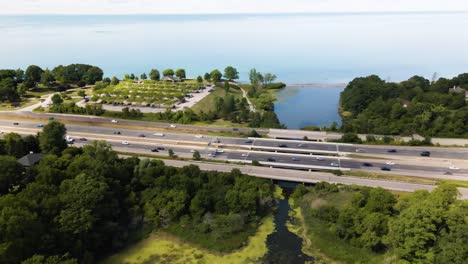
<point x="277" y="153"/>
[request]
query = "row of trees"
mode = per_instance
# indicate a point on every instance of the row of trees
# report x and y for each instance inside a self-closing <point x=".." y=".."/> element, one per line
<point x="421" y="227"/>
<point x="371" y="105"/>
<point x="79" y="204"/>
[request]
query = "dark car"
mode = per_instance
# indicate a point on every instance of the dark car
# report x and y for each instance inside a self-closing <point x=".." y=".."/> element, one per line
<point x="448" y="173"/>
<point x="160" y="148"/>
<point x="366" y="164"/>
<point x="386" y="168"/>
<point x="248" y="142"/>
<point x="425" y="154"/>
<point x="391" y="150"/>
<point x="116" y="132"/>
<point x="154" y="150"/>
<point x="15" y="124"/>
<point x="142" y="135"/>
<point x="282" y="145"/>
<point x="83" y="139"/>
<point x="271" y="160"/>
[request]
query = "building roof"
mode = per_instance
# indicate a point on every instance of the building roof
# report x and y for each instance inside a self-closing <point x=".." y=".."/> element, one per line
<point x="30" y="159"/>
<point x="456" y="90"/>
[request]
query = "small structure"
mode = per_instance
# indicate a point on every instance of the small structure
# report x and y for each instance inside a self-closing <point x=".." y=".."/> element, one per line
<point x="31" y="159"/>
<point x="456" y="90"/>
<point x="171" y="79"/>
<point x="405" y="103"/>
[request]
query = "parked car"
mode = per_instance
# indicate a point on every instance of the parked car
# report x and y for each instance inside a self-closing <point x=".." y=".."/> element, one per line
<point x="425" y="154"/>
<point x="386" y="168"/>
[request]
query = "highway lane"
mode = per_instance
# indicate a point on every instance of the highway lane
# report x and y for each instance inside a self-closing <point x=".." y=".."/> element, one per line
<point x="258" y="143"/>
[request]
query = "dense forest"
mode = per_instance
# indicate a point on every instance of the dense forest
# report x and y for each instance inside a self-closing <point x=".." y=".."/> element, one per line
<point x="372" y="225"/>
<point x="417" y="105"/>
<point x="79" y="204"/>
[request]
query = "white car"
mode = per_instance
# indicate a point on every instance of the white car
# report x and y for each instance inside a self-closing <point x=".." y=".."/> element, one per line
<point x="158" y="134"/>
<point x="454" y="167"/>
<point x="319" y="158"/>
<point x="390" y="163"/>
<point x="244" y="154"/>
<point x="173" y="126"/>
<point x="199" y="136"/>
<point x="219" y="150"/>
<point x="192" y="151"/>
<point x="333" y="164"/>
<point x="212" y="155"/>
<point x="114" y="121"/>
<point x="359" y="150"/>
<point x="125" y="143"/>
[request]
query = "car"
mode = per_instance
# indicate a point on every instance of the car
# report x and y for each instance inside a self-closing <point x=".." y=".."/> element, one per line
<point x="192" y="151"/>
<point x="216" y="140"/>
<point x="117" y="133"/>
<point x="271" y="160"/>
<point x="425" y="153"/>
<point x="39" y="125"/>
<point x="359" y="150"/>
<point x="333" y="164"/>
<point x="83" y="139"/>
<point x="172" y="126"/>
<point x="125" y="143"/>
<point x="1" y="132"/>
<point x="15" y="124"/>
<point x="142" y="135"/>
<point x="386" y="169"/>
<point x="199" y="136"/>
<point x="366" y="164"/>
<point x="448" y="173"/>
<point x="390" y="163"/>
<point x="318" y="158"/>
<point x="299" y="145"/>
<point x="159" y="134"/>
<point x="282" y="145"/>
<point x="244" y="154"/>
<point x="391" y="150"/>
<point x="154" y="150"/>
<point x="235" y="129"/>
<point x="219" y="150"/>
<point x="454" y="167"/>
<point x="114" y="121"/>
<point x="160" y="148"/>
<point x="212" y="155"/>
<point x="295" y="159"/>
<point x="248" y="141"/>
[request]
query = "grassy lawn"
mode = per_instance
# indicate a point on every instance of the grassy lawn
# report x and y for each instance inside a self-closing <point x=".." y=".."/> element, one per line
<point x="208" y="103"/>
<point x="26" y="102"/>
<point x="162" y="247"/>
<point x="219" y="123"/>
<point x="38" y="92"/>
<point x="392" y="177"/>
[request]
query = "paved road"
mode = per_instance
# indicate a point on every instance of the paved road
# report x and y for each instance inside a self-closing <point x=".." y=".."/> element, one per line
<point x="206" y="144"/>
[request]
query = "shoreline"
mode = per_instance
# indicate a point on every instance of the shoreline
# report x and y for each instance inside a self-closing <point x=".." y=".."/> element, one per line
<point x="317" y="85"/>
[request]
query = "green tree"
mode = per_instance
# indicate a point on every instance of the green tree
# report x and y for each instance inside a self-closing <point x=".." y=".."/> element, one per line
<point x="8" y="90"/>
<point x="47" y="78"/>
<point x="143" y="76"/>
<point x="81" y="93"/>
<point x="199" y="79"/>
<point x="215" y="76"/>
<point x="32" y="76"/>
<point x="196" y="155"/>
<point x="114" y="81"/>
<point x="168" y="72"/>
<point x="14" y="145"/>
<point x="170" y="152"/>
<point x="154" y="75"/>
<point x="10" y="174"/>
<point x="253" y="77"/>
<point x="52" y="138"/>
<point x="92" y="75"/>
<point x="269" y="78"/>
<point x="57" y="99"/>
<point x="226" y="87"/>
<point x="180" y="73"/>
<point x="231" y="73"/>
<point x="207" y="77"/>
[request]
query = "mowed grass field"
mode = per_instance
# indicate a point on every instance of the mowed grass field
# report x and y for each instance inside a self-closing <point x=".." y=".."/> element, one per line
<point x="208" y="103"/>
<point x="162" y="248"/>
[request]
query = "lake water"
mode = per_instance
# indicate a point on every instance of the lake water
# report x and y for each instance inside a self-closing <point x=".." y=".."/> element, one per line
<point x="298" y="107"/>
<point x="307" y="48"/>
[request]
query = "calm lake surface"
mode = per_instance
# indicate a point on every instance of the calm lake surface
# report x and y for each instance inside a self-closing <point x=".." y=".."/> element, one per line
<point x="298" y="107"/>
<point x="306" y="48"/>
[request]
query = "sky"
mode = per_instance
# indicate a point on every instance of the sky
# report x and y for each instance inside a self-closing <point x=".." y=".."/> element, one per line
<point x="224" y="6"/>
